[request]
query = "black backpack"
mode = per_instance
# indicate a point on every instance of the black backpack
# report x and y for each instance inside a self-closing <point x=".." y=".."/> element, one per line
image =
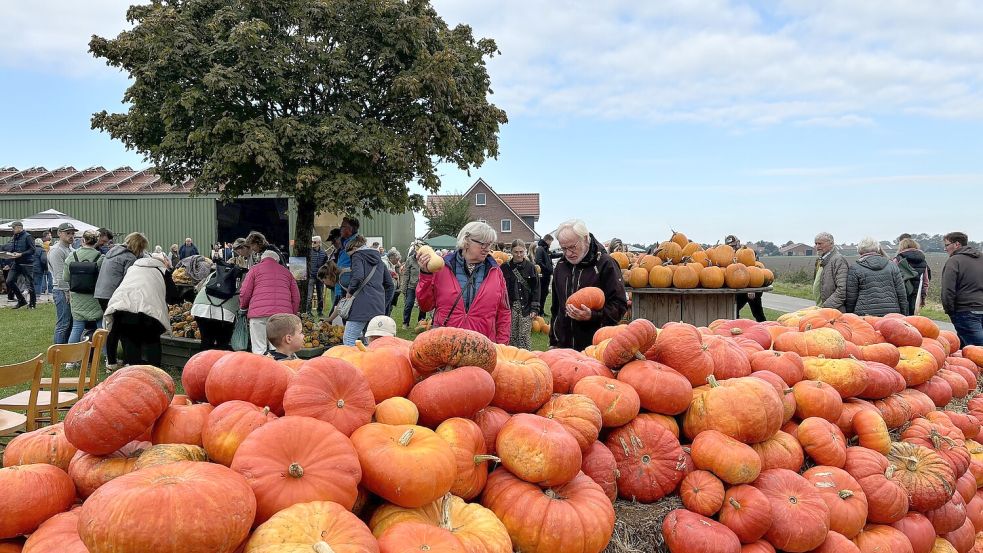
<point x="223" y="282"/>
<point x="82" y="275"/>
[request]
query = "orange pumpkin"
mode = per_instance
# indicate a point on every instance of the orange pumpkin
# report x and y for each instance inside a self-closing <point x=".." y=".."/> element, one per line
<point x="459" y="392"/>
<point x="823" y="441"/>
<point x="590" y="297"/>
<point x="468" y="444"/>
<point x="491" y="420"/>
<point x="923" y="473"/>
<point x="195" y="372"/>
<point x="228" y="425"/>
<point x="396" y="410"/>
<point x="181" y="423"/>
<point x="44" y="445"/>
<point x="702" y="492"/>
<point x="682" y="347"/>
<point x="787" y="365"/>
<point x="296" y="459"/>
<point x="650" y="460"/>
<point x="59" y="533"/>
<point x="685" y="530"/>
<point x="660" y="389"/>
<point x="578" y="414"/>
<point x="685" y="276"/>
<point x="538" y="450"/>
<point x="249" y="377"/>
<point x="799" y="514"/>
<point x="817" y="399"/>
<point x="824" y="342"/>
<point x="877" y="537"/>
<point x="712" y="277"/>
<point x="648" y="261"/>
<point x="887" y="501"/>
<point x="331" y="390"/>
<point x="568" y="366"/>
<point x="846" y="376"/>
<point x="871" y="431"/>
<point x="600" y="466"/>
<point x="747" y="409"/>
<point x="617" y="401"/>
<point x="386" y="369"/>
<point x="843" y="495"/>
<point x="721" y="256"/>
<point x="50" y="491"/>
<point x="629" y="342"/>
<point x="730" y="460"/>
<point x="747" y="512"/>
<point x="638" y="278"/>
<point x="476" y="526"/>
<point x="523" y="381"/>
<point x="736" y="276"/>
<point x="90" y="472"/>
<point x="305" y="526"/>
<point x="660" y="276"/>
<point x="781" y="451"/>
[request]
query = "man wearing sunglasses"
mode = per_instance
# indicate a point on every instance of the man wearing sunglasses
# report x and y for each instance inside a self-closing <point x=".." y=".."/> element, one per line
<point x="962" y="288"/>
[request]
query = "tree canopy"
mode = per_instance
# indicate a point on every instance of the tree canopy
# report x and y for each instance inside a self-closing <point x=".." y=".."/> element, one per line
<point x="338" y="103"/>
<point x="449" y="215"/>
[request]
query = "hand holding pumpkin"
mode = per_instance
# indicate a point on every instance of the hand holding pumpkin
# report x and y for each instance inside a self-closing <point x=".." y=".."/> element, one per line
<point x="582" y="313"/>
<point x="423" y="259"/>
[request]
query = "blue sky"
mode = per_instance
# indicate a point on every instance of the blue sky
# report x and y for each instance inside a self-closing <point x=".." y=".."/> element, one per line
<point x="771" y="120"/>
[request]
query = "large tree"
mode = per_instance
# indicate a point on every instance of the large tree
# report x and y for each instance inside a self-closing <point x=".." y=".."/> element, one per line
<point x="337" y="103"/>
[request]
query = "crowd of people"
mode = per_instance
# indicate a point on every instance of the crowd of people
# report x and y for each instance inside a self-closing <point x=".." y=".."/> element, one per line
<point x="126" y="288"/>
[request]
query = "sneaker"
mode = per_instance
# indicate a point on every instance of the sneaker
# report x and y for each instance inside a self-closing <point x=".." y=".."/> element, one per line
<point x="73" y="366"/>
<point x="20" y="304"/>
<point x="111" y="367"/>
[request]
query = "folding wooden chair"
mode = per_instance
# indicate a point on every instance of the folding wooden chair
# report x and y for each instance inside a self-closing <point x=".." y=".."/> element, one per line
<point x="95" y="358"/>
<point x="13" y="375"/>
<point x="58" y="355"/>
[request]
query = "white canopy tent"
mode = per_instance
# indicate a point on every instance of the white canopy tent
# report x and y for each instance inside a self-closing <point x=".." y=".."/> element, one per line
<point x="40" y="222"/>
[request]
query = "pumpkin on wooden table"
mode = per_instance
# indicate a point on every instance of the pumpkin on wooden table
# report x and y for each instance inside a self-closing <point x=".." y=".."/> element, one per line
<point x="119" y="409"/>
<point x="228" y="425"/>
<point x="89" y="472"/>
<point x="629" y="342"/>
<point x="712" y="277"/>
<point x="476" y="526"/>
<point x="532" y="514"/>
<point x="387" y="370"/>
<point x="410" y="466"/>
<point x="304" y="526"/>
<point x="179" y="507"/>
<point x="650" y="459"/>
<point x="660" y="389"/>
<point x="447" y="348"/>
<point x="685" y="530"/>
<point x="578" y="414"/>
<point x="30" y="495"/>
<point x="246" y="376"/>
<point x="181" y="423"/>
<point x="459" y="392"/>
<point x="44" y="445"/>
<point x="195" y="372"/>
<point x="660" y="276"/>
<point x="296" y="459"/>
<point x="800" y="516"/>
<point x="702" y="492"/>
<point x="747" y="409"/>
<point x="331" y="390"/>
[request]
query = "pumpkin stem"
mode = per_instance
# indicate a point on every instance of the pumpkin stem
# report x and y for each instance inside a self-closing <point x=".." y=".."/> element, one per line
<point x="360" y="346"/>
<point x="404" y="440"/>
<point x="322" y="547"/>
<point x="712" y="381"/>
<point x="845" y="494"/>
<point x="341" y="403"/>
<point x="266" y="410"/>
<point x="295" y="470"/>
<point x="734" y="503"/>
<point x="445" y="512"/>
<point x="478" y="459"/>
<point x="639" y="356"/>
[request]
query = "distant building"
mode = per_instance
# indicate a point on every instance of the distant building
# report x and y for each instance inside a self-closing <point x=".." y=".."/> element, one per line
<point x="513" y="216"/>
<point x="798" y="249"/>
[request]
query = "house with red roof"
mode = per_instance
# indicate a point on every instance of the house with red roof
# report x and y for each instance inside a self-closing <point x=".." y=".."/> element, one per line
<point x="513" y="216"/>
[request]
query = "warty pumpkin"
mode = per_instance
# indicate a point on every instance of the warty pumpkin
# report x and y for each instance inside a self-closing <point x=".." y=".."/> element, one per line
<point x="30" y="495"/>
<point x="447" y="348"/>
<point x="302" y="527"/>
<point x="824" y="342"/>
<point x="650" y="460"/>
<point x="924" y="475"/>
<point x="846" y="376"/>
<point x="44" y="445"/>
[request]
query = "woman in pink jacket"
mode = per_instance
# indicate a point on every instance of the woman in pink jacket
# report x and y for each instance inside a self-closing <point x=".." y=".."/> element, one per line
<point x="469" y="292"/>
<point x="268" y="289"/>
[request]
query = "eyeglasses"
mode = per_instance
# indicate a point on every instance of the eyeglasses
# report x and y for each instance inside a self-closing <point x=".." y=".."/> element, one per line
<point x="570" y="249"/>
<point x="482" y="245"/>
<point x="947" y="244"/>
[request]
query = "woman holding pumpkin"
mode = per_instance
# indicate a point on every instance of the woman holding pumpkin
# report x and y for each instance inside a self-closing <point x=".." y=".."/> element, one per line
<point x="469" y="291"/>
<point x="522" y="283"/>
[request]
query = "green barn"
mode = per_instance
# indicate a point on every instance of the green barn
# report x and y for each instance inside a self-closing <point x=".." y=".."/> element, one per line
<point x="126" y="200"/>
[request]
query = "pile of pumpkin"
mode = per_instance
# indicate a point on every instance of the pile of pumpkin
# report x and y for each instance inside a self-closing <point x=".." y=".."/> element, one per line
<point x="681" y="263"/>
<point x="183" y="324"/>
<point x="452" y="443"/>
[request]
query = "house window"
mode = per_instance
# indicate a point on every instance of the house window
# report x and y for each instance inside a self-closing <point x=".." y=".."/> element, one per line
<point x="506" y="225"/>
<point x="480" y="199"/>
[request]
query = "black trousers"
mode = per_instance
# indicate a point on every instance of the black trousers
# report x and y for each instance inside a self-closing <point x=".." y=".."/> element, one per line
<point x="757" y="311"/>
<point x="140" y="335"/>
<point x="112" y="341"/>
<point x="16" y="270"/>
<point x="215" y="334"/>
<point x="544" y="289"/>
<point x="389" y="309"/>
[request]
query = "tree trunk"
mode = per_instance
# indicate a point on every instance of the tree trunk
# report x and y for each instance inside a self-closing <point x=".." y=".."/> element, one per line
<point x="302" y="239"/>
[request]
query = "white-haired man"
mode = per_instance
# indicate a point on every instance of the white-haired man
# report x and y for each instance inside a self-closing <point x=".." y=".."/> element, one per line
<point x="829" y="285"/>
<point x="585" y="263"/>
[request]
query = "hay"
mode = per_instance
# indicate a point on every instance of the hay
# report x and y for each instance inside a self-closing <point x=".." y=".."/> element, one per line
<point x="959" y="404"/>
<point x="638" y="526"/>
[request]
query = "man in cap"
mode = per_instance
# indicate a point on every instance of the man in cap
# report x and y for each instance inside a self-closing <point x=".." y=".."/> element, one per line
<point x="21" y="246"/>
<point x="58" y="252"/>
<point x="752" y="299"/>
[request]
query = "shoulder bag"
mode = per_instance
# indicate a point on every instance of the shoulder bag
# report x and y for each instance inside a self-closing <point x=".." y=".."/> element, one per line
<point x="345" y="304"/>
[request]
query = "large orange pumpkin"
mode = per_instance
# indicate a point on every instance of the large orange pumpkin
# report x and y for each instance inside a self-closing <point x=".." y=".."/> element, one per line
<point x="179" y="507"/>
<point x="685" y="530"/>
<point x="248" y="377"/>
<point x="712" y="277"/>
<point x="843" y="495"/>
<point x="747" y="512"/>
<point x="331" y="390"/>
<point x="476" y="526"/>
<point x="589" y="296"/>
<point x="447" y="348"/>
<point x="747" y="409"/>
<point x="799" y="514"/>
<point x="882" y="381"/>
<point x="523" y="381"/>
<point x="397" y="410"/>
<point x="44" y="445"/>
<point x="916" y="365"/>
<point x="661" y="277"/>
<point x="533" y="515"/>
<point x="899" y="332"/>
<point x="90" y="472"/>
<point x="410" y="466"/>
<point x="228" y="425"/>
<point x="781" y="451"/>
<point x="650" y="459"/>
<point x="459" y="392"/>
<point x="629" y="342"/>
<point x="923" y="473"/>
<point x="468" y="444"/>
<point x="887" y="501"/>
<point x="823" y="441"/>
<point x="302" y="527"/>
<point x="732" y="461"/>
<point x="296" y="459"/>
<point x="617" y="401"/>
<point x="721" y="256"/>
<point x="878" y="537"/>
<point x="119" y="409"/>
<point x="846" y="376"/>
<point x="195" y="372"/>
<point x="59" y="533"/>
<point x="824" y="342"/>
<point x="576" y="413"/>
<point x="30" y="495"/>
<point x="181" y="423"/>
<point x="702" y="492"/>
<point x="736" y="276"/>
<point x="660" y="389"/>
<point x="943" y="438"/>
<point x="681" y="347"/>
<point x="386" y="369"/>
<point x="568" y="366"/>
<point x="538" y="450"/>
<point x="686" y="276"/>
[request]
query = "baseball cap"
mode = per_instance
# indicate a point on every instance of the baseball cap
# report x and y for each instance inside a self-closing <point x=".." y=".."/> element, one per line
<point x="66" y="227"/>
<point x="381" y="325"/>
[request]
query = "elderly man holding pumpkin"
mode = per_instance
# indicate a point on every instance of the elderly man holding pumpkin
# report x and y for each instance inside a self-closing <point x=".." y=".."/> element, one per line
<point x="585" y="264"/>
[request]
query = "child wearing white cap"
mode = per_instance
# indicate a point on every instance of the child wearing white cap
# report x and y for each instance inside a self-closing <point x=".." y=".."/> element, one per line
<point x="380" y="325"/>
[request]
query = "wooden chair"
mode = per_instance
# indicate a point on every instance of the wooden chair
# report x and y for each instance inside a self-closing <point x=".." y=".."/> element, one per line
<point x="58" y="355"/>
<point x="13" y="375"/>
<point x="95" y="358"/>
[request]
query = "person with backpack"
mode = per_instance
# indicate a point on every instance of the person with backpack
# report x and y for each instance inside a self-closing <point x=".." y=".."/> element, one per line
<point x="370" y="289"/>
<point x="21" y="245"/>
<point x="82" y="272"/>
<point x="915" y="273"/>
<point x="216" y="305"/>
<point x="114" y="266"/>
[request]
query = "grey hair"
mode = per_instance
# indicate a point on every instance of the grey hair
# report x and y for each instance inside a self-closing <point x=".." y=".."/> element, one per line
<point x="482" y="232"/>
<point x="825" y="237"/>
<point x="575" y="226"/>
<point x="315" y="238"/>
<point x="270" y="254"/>
<point x="868" y="245"/>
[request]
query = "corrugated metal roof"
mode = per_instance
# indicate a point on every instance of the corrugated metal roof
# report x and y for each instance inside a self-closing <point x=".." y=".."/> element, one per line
<point x="92" y="180"/>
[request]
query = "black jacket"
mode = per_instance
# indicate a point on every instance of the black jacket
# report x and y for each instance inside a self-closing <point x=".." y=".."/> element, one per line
<point x="962" y="281"/>
<point x="522" y="283"/>
<point x="595" y="269"/>
<point x="874" y="287"/>
<point x="544" y="258"/>
<point x="22" y="243"/>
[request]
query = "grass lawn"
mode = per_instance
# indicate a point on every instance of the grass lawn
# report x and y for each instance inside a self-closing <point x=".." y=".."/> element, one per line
<point x="932" y="310"/>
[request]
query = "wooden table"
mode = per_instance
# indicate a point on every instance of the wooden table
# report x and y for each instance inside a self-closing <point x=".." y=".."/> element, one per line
<point x="696" y="306"/>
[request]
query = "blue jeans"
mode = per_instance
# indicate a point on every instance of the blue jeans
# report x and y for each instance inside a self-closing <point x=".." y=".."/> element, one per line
<point x="78" y="327"/>
<point x="63" y="316"/>
<point x="969" y="327"/>
<point x="408" y="302"/>
<point x="353" y="331"/>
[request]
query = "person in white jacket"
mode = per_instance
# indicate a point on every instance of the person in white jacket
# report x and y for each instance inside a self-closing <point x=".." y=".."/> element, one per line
<point x="137" y="311"/>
